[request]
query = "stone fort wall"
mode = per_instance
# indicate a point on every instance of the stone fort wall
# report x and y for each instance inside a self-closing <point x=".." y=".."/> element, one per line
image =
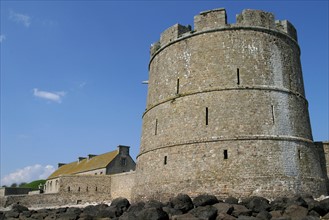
<point x="226" y="112"/>
<point x="78" y="189"/>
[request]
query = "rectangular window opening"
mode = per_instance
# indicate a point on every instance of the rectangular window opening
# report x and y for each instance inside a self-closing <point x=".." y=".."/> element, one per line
<point x="225" y="154"/>
<point x="273" y="116"/>
<point x="177" y="86"/>
<point x="238" y="76"/>
<point x="299" y="154"/>
<point x="207" y="115"/>
<point x="165" y="160"/>
<point x="156" y="127"/>
<point x="123" y="161"/>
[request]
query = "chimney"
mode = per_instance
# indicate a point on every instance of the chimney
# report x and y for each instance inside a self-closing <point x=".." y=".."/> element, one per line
<point x="91" y="156"/>
<point x="61" y="164"/>
<point x="80" y="159"/>
<point x="123" y="150"/>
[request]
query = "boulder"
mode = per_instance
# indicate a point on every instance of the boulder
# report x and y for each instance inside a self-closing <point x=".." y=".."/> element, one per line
<point x="279" y="204"/>
<point x="204" y="212"/>
<point x="224" y="216"/>
<point x="182" y="202"/>
<point x="315" y="206"/>
<point x="121" y="203"/>
<point x="19" y="208"/>
<point x="264" y="215"/>
<point x="295" y="212"/>
<point x="242" y="217"/>
<point x="224" y="208"/>
<point x="240" y="210"/>
<point x="297" y="200"/>
<point x="153" y="204"/>
<point x="128" y="216"/>
<point x="171" y="211"/>
<point x="153" y="214"/>
<point x="325" y="205"/>
<point x="204" y="200"/>
<point x="135" y="208"/>
<point x="258" y="204"/>
<point x="187" y="216"/>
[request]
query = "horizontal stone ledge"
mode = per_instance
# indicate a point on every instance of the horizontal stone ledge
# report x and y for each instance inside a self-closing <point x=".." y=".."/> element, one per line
<point x="235" y="138"/>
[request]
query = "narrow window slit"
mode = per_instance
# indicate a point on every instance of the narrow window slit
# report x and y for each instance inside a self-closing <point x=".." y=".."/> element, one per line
<point x="156" y="127"/>
<point x="207" y="115"/>
<point x="238" y="76"/>
<point x="177" y="86"/>
<point x="273" y="116"/>
<point x="165" y="160"/>
<point x="225" y="154"/>
<point x="299" y="154"/>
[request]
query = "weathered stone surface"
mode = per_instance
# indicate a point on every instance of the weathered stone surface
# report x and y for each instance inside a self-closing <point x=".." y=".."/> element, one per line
<point x="295" y="212"/>
<point x="240" y="210"/>
<point x="224" y="216"/>
<point x="207" y="212"/>
<point x="19" y="208"/>
<point x="264" y="215"/>
<point x="247" y="218"/>
<point x="258" y="204"/>
<point x="203" y="200"/>
<point x="279" y="203"/>
<point x="153" y="204"/>
<point x="224" y="208"/>
<point x="128" y="216"/>
<point x="171" y="211"/>
<point x="187" y="216"/>
<point x="182" y="202"/>
<point x="297" y="200"/>
<point x="325" y="205"/>
<point x="153" y="213"/>
<point x="11" y="214"/>
<point x="121" y="203"/>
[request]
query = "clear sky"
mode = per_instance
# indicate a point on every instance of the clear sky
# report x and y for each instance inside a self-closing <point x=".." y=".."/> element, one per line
<point x="71" y="73"/>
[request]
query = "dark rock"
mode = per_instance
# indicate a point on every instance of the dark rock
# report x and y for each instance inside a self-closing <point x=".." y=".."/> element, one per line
<point x="231" y="200"/>
<point x="136" y="208"/>
<point x="187" y="216"/>
<point x="326" y="216"/>
<point x="325" y="205"/>
<point x="153" y="214"/>
<point x="68" y="216"/>
<point x="25" y="214"/>
<point x="153" y="204"/>
<point x="224" y="216"/>
<point x="171" y="211"/>
<point x="224" y="208"/>
<point x="264" y="215"/>
<point x="310" y="218"/>
<point x="204" y="212"/>
<point x="11" y="214"/>
<point x="258" y="204"/>
<point x="242" y="217"/>
<point x="295" y="212"/>
<point x="90" y="210"/>
<point x="182" y="202"/>
<point x="121" y="203"/>
<point x="40" y="215"/>
<point x="84" y="216"/>
<point x="314" y="205"/>
<point x="19" y="208"/>
<point x="279" y="203"/>
<point x="205" y="199"/>
<point x="282" y="218"/>
<point x="241" y="210"/>
<point x="74" y="210"/>
<point x="314" y="213"/>
<point x="276" y="214"/>
<point x="297" y="200"/>
<point x="128" y="216"/>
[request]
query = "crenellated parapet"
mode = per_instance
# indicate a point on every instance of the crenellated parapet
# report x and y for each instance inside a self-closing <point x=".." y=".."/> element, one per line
<point x="216" y="20"/>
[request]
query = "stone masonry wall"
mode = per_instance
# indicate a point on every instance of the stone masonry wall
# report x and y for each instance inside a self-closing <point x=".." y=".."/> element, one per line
<point x="226" y="112"/>
<point x="79" y="189"/>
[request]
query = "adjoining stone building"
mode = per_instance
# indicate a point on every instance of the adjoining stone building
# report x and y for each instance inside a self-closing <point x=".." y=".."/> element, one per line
<point x="226" y="112"/>
<point x="90" y="174"/>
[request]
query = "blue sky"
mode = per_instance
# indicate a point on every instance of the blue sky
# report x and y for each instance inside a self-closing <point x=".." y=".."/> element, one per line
<point x="71" y="73"/>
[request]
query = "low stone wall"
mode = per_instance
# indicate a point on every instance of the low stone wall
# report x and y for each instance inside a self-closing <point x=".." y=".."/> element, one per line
<point x="78" y="190"/>
<point x="6" y="191"/>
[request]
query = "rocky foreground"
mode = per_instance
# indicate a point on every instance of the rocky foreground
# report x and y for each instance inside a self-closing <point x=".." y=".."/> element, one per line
<point x="182" y="207"/>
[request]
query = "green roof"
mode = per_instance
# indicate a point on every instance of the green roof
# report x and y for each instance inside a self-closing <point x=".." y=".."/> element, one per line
<point x="96" y="162"/>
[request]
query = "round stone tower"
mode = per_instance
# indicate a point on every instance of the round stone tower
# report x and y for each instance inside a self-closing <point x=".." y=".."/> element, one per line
<point x="226" y="112"/>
